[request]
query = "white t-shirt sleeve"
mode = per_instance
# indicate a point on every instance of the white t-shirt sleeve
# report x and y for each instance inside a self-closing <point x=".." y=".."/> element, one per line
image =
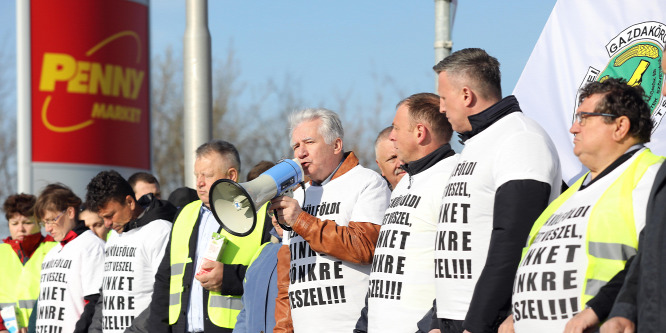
<point x="372" y="200"/>
<point x="525" y="155"/>
<point x="158" y="246"/>
<point x="641" y="194"/>
<point x="92" y="267"/>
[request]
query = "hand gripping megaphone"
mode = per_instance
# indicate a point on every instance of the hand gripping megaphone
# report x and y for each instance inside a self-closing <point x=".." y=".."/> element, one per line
<point x="235" y="205"/>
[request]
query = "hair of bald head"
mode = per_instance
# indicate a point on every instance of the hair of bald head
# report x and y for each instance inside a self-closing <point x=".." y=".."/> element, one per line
<point x="383" y="135"/>
<point x="143" y="177"/>
<point x="225" y="149"/>
<point x="424" y="108"/>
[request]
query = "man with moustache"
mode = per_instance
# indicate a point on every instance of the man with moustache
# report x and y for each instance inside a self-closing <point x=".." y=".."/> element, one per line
<point x="386" y="158"/>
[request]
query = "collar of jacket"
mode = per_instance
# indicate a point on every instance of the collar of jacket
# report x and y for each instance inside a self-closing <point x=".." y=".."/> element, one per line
<point x="349" y="161"/>
<point x="154" y="210"/>
<point x="274" y="233"/>
<point x="627" y="155"/>
<point x="72" y="234"/>
<point x="491" y="115"/>
<point x="26" y="247"/>
<point x="425" y="162"/>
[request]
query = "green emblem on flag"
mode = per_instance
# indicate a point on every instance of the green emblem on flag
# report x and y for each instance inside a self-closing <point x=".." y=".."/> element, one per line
<point x="639" y="64"/>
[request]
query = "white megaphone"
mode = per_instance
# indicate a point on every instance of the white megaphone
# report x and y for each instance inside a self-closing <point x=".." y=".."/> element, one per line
<point x="235" y="205"/>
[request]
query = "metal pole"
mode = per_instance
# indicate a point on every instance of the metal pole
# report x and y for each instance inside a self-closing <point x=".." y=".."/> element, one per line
<point x="443" y="46"/>
<point x="197" y="83"/>
<point x="23" y="98"/>
<point x="443" y="43"/>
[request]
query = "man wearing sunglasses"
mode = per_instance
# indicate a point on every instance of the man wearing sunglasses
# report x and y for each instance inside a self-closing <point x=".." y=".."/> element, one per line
<point x="584" y="238"/>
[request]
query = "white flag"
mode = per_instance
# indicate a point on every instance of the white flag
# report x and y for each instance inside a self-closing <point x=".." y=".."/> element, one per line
<point x="587" y="40"/>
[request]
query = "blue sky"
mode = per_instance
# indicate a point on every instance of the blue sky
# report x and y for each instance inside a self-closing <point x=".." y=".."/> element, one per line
<point x="329" y="50"/>
<point x="342" y="48"/>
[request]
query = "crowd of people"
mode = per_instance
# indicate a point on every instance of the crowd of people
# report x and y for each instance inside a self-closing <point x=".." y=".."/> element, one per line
<point x="490" y="239"/>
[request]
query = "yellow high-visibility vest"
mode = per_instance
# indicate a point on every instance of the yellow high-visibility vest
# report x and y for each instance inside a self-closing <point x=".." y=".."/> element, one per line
<point x="611" y="237"/>
<point x="19" y="284"/>
<point x="222" y="309"/>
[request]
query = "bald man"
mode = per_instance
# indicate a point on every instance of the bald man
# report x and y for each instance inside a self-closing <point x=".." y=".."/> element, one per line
<point x="387" y="159"/>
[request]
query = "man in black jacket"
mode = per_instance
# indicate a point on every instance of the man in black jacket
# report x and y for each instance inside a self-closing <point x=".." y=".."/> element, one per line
<point x="641" y="304"/>
<point x="131" y="255"/>
<point x="507" y="174"/>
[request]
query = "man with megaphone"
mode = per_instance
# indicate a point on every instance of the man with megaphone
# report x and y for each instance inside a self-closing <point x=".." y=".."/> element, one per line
<point x="193" y="294"/>
<point x="323" y="266"/>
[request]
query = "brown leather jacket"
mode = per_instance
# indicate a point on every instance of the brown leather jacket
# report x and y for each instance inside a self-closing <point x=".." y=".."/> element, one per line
<point x="354" y="243"/>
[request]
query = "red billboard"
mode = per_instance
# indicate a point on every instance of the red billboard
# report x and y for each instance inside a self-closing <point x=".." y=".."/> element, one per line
<point x="90" y="82"/>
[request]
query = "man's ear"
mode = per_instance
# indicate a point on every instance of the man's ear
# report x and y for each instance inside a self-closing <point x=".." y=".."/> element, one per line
<point x="129" y="200"/>
<point x="622" y="126"/>
<point x="232" y="174"/>
<point x="421" y="132"/>
<point x="468" y="96"/>
<point x="337" y="145"/>
<point x="380" y="169"/>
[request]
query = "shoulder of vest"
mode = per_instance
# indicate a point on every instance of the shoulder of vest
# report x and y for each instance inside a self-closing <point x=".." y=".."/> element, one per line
<point x="188" y="209"/>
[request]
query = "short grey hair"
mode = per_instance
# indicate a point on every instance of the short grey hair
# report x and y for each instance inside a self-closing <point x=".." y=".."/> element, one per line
<point x="383" y="135"/>
<point x="225" y="149"/>
<point x="330" y="128"/>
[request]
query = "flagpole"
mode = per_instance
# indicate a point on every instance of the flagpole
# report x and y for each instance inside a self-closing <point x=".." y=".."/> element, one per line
<point x="443" y="43"/>
<point x="197" y="83"/>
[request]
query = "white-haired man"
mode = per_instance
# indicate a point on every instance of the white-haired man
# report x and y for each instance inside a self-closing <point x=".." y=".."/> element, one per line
<point x="323" y="280"/>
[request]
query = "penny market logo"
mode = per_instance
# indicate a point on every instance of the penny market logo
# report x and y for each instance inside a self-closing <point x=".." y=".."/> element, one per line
<point x="93" y="78"/>
<point x="635" y="55"/>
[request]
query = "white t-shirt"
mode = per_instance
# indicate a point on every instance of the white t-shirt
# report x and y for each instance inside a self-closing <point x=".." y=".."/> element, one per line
<point x="513" y="148"/>
<point x="130" y="266"/>
<point x="549" y="281"/>
<point x="402" y="286"/>
<point x="327" y="293"/>
<point x="69" y="274"/>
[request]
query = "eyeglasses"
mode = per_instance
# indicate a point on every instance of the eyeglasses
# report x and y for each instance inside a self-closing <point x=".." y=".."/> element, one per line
<point x="53" y="220"/>
<point x="580" y="116"/>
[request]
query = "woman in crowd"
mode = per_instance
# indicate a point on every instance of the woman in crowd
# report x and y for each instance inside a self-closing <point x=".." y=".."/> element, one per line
<point x="94" y="222"/>
<point x="72" y="270"/>
<point x="21" y="257"/>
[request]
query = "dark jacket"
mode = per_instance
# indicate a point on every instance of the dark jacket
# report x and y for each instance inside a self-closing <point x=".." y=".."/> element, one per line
<point x="642" y="298"/>
<point x="232" y="284"/>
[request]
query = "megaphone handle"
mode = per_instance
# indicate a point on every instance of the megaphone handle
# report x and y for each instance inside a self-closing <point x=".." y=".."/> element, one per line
<point x="283" y="226"/>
